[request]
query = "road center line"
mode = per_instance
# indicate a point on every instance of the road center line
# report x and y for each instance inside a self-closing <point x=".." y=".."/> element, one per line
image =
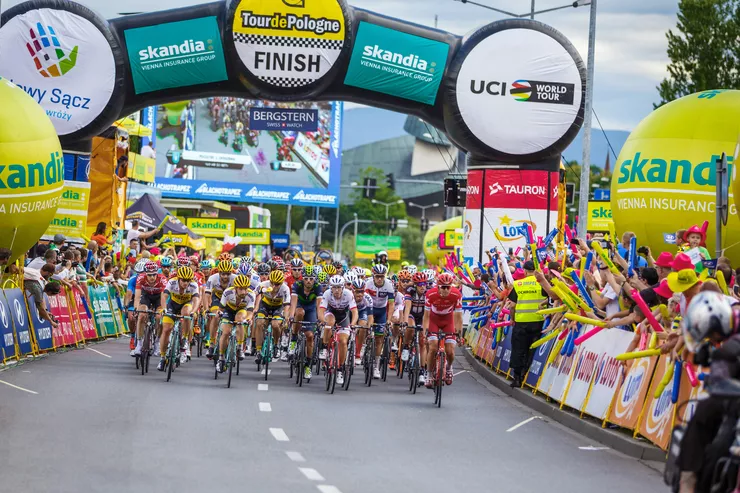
<point x="295" y="456"/>
<point x="523" y="423"/>
<point x="458" y="373"/>
<point x="311" y="474"/>
<point x="265" y="407"/>
<point x="279" y="434"/>
<point x="96" y="351"/>
<point x="19" y="388"/>
<point x="327" y="488"/>
<point x="262" y="386"/>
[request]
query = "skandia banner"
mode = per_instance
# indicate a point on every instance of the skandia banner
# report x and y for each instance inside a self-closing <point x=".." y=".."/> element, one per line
<point x="175" y="54"/>
<point x="63" y="62"/>
<point x="529" y="81"/>
<point x="296" y="119"/>
<point x="288" y="44"/>
<point x="397" y="63"/>
<point x="211" y="227"/>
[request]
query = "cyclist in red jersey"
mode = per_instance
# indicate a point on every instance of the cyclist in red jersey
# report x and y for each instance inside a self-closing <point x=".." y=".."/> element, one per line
<point x="442" y="313"/>
<point x="296" y="272"/>
<point x="147" y="294"/>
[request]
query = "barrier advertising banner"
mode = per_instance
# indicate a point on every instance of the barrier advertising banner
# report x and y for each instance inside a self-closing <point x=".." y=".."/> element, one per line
<point x="631" y="394"/>
<point x="211" y="227"/>
<point x="657" y="414"/>
<point x="102" y="311"/>
<point x="608" y="371"/>
<point x="46" y="339"/>
<point x="539" y="360"/>
<point x="585" y="366"/>
<point x="83" y="315"/>
<point x="59" y="308"/>
<point x="7" y="343"/>
<point x="561" y="377"/>
<point x="17" y="306"/>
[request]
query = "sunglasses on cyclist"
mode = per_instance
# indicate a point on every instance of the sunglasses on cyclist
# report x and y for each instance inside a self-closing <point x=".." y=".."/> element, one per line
<point x="444" y="287"/>
<point x="379" y="277"/>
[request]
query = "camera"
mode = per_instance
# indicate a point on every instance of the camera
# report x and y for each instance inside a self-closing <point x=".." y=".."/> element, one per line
<point x="643" y="250"/>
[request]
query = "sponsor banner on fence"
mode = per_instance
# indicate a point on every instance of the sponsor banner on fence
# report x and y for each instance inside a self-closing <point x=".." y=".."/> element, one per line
<point x="537" y="368"/>
<point x="19" y="314"/>
<point x="561" y="377"/>
<point x="70" y="218"/>
<point x="76" y="196"/>
<point x="510" y="225"/>
<point x="211" y="227"/>
<point x="631" y="394"/>
<point x="608" y="371"/>
<point x="288" y="44"/>
<point x="175" y="54"/>
<point x="63" y="62"/>
<point x="366" y="246"/>
<point x="83" y="315"/>
<point x="657" y="414"/>
<point x="279" y="119"/>
<point x="500" y="77"/>
<point x="45" y="338"/>
<point x="255" y="236"/>
<point x="520" y="189"/>
<point x="7" y="343"/>
<point x="586" y="358"/>
<point x="102" y="311"/>
<point x="505" y="353"/>
<point x="688" y="398"/>
<point x="397" y="63"/>
<point x="59" y="308"/>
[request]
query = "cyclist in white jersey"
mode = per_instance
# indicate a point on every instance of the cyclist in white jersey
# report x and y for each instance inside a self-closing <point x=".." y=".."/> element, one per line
<point x="338" y="307"/>
<point x="383" y="295"/>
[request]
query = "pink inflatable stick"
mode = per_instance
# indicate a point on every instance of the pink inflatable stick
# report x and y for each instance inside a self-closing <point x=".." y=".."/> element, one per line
<point x="646" y="311"/>
<point x="586" y="336"/>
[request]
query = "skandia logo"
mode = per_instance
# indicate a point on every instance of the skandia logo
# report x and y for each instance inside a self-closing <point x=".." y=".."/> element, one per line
<point x="315" y="197"/>
<point x="267" y="194"/>
<point x="220" y="191"/>
<point x="209" y="225"/>
<point x="15" y="176"/>
<point x="642" y="169"/>
<point x="398" y="60"/>
<point x="187" y="49"/>
<point x="174" y="188"/>
<point x="47" y="53"/>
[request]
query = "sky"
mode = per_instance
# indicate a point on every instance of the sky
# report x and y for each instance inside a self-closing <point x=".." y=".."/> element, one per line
<point x="630" y="39"/>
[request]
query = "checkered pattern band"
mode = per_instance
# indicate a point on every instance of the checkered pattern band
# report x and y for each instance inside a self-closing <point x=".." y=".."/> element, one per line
<point x="286" y="81"/>
<point x="256" y="39"/>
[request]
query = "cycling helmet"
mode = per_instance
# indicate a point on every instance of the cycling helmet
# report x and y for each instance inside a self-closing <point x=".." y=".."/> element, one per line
<point x="412" y="269"/>
<point x="336" y="281"/>
<point x="431" y="275"/>
<point x="165" y="262"/>
<point x="224" y="266"/>
<point x="185" y="273"/>
<point x="280" y="264"/>
<point x="263" y="269"/>
<point x="368" y="273"/>
<point x="140" y="265"/>
<point x="248" y="259"/>
<point x="236" y="262"/>
<point x="382" y="252"/>
<point x="183" y="261"/>
<point x="309" y="272"/>
<point x="359" y="271"/>
<point x="224" y="256"/>
<point x="317" y="268"/>
<point x="445" y="279"/>
<point x="277" y="258"/>
<point x="350" y="277"/>
<point x="338" y="265"/>
<point x="380" y="270"/>
<point x="244" y="269"/>
<point x="330" y="270"/>
<point x="195" y="259"/>
<point x="708" y="313"/>
<point x="272" y="265"/>
<point x="151" y="267"/>
<point x="242" y="281"/>
<point x="358" y="284"/>
<point x="404" y="275"/>
<point x="277" y="277"/>
<point x="296" y="263"/>
<point x="206" y="264"/>
<point x="323" y="276"/>
<point x="419" y="277"/>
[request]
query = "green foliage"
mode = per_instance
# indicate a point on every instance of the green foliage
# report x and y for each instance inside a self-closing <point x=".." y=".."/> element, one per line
<point x="573" y="175"/>
<point x="704" y="49"/>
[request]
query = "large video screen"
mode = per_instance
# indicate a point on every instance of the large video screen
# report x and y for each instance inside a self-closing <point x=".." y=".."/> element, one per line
<point x="208" y="149"/>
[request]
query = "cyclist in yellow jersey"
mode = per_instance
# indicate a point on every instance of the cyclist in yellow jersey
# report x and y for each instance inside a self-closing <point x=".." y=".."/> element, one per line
<point x="181" y="297"/>
<point x="272" y="296"/>
<point x="214" y="289"/>
<point x="238" y="306"/>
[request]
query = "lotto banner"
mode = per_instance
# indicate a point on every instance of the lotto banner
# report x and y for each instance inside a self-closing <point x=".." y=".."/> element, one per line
<point x="632" y="392"/>
<point x="585" y="365"/>
<point x="45" y="339"/>
<point x="82" y="315"/>
<point x="59" y="308"/>
<point x="608" y="371"/>
<point x="657" y="414"/>
<point x="561" y="376"/>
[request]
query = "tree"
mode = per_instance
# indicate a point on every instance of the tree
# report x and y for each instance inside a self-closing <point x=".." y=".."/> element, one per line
<point x="704" y="50"/>
<point x="573" y="175"/>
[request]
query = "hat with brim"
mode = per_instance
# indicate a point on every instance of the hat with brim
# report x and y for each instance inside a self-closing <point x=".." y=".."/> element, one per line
<point x="682" y="262"/>
<point x="665" y="259"/>
<point x="695" y="230"/>
<point x="663" y="290"/>
<point x="682" y="280"/>
<point x="518" y="274"/>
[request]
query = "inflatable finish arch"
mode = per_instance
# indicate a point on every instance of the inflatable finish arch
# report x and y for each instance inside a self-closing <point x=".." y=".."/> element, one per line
<point x="511" y="92"/>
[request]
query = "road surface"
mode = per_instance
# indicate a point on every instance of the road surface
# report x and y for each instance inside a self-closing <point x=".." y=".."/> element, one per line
<point x="94" y="423"/>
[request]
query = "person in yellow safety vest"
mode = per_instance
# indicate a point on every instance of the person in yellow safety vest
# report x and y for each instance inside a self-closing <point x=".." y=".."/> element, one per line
<point x="528" y="295"/>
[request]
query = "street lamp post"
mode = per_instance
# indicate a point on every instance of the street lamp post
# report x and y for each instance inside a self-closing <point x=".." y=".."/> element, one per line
<point x="423" y="208"/>
<point x="387" y="207"/>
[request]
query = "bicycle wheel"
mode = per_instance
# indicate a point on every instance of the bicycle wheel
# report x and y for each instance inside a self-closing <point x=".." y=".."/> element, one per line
<point x="371" y="364"/>
<point x="348" y="374"/>
<point x="237" y="366"/>
<point x="399" y="364"/>
<point x="441" y="360"/>
<point x="172" y="356"/>
<point x="334" y="370"/>
<point x="230" y="357"/>
<point x="384" y="357"/>
<point x="414" y="372"/>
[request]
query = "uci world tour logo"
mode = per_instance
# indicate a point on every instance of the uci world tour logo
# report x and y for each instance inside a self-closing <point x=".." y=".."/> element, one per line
<point x="521" y="90"/>
<point x="47" y="53"/>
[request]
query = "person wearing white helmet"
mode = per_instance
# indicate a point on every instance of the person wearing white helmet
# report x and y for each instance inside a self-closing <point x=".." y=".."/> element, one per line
<point x="147" y="297"/>
<point x="129" y="298"/>
<point x="338" y="309"/>
<point x="383" y="294"/>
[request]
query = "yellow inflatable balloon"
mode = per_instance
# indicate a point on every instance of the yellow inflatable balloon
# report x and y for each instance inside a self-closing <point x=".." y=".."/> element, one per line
<point x="665" y="176"/>
<point x="31" y="169"/>
<point x="441" y="239"/>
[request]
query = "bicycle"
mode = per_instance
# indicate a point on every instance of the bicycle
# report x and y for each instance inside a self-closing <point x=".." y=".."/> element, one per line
<point x="268" y="345"/>
<point x="231" y="359"/>
<point x="441" y="361"/>
<point x="400" y="366"/>
<point x="200" y="333"/>
<point x="368" y="359"/>
<point x="147" y="342"/>
<point x="348" y="368"/>
<point x="298" y="362"/>
<point x="173" y="349"/>
<point x="385" y="353"/>
<point x="331" y="364"/>
<point x="414" y="361"/>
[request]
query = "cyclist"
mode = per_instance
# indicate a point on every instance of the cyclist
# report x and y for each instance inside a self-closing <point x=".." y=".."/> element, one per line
<point x="304" y="303"/>
<point x="296" y="269"/>
<point x="263" y="270"/>
<point x="339" y="267"/>
<point x="238" y="306"/>
<point x="414" y="315"/>
<point x="166" y="266"/>
<point x="337" y="307"/>
<point x="349" y="277"/>
<point x="205" y="271"/>
<point x="323" y="279"/>
<point x="442" y="313"/>
<point x="148" y="290"/>
<point x="401" y="284"/>
<point x="272" y="295"/>
<point x="380" y="289"/>
<point x="364" y="315"/>
<point x="215" y="287"/>
<point x="181" y="297"/>
<point x="129" y="300"/>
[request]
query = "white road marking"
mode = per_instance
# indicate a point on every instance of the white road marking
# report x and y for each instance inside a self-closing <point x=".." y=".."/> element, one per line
<point x="269" y="372"/>
<point x="96" y="351"/>
<point x="279" y="434"/>
<point x="591" y="447"/>
<point x="262" y="386"/>
<point x="265" y="407"/>
<point x="26" y="371"/>
<point x="311" y="474"/>
<point x="523" y="423"/>
<point x="327" y="488"/>
<point x="461" y="371"/>
<point x="295" y="456"/>
<point x="19" y="388"/>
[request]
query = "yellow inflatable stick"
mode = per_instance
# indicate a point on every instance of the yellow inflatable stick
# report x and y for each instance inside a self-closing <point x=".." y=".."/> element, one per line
<point x="565" y="298"/>
<point x="583" y="268"/>
<point x="604" y="257"/>
<point x="667" y="376"/>
<point x="653" y="341"/>
<point x="585" y="320"/>
<point x="550" y="311"/>
<point x="543" y="340"/>
<point x="721" y="281"/>
<point x="638" y="354"/>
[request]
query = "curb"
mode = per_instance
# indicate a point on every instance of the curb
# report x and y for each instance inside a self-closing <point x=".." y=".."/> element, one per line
<point x="589" y="428"/>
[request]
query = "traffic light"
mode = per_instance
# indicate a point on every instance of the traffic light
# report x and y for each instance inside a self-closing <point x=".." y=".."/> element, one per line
<point x="391" y="181"/>
<point x="455" y="192"/>
<point x="570" y="193"/>
<point x="393" y="224"/>
<point x="368" y="190"/>
<point x="424" y="225"/>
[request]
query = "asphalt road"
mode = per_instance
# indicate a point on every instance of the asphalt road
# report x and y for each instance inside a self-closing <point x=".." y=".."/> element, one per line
<point x="94" y="423"/>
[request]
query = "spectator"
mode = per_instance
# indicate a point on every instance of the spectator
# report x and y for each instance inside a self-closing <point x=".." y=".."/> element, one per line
<point x="663" y="265"/>
<point x="34" y="283"/>
<point x="135" y="233"/>
<point x="58" y="241"/>
<point x="48" y="257"/>
<point x="121" y="172"/>
<point x="100" y="237"/>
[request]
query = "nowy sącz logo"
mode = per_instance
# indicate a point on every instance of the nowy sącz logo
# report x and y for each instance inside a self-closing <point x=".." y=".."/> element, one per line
<point x="47" y="52"/>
